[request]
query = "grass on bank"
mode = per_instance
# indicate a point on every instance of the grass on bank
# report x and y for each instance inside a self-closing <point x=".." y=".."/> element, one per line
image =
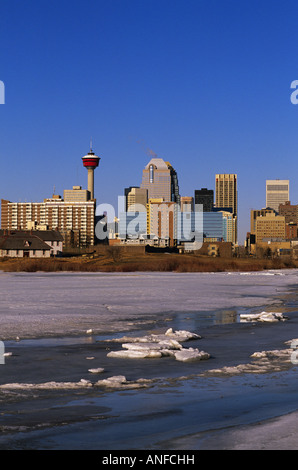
<point x="145" y="262"/>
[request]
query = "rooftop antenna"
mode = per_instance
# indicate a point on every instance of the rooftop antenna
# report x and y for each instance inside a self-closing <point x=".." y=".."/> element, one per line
<point x="91" y="151"/>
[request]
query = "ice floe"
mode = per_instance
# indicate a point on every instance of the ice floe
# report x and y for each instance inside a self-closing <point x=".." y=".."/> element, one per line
<point x="135" y="354"/>
<point x="46" y="386"/>
<point x="187" y="355"/>
<point x="99" y="370"/>
<point x="263" y="362"/>
<point x="120" y="382"/>
<point x="171" y="344"/>
<point x="179" y="335"/>
<point x="161" y="345"/>
<point x="262" y="317"/>
<point x="115" y="382"/>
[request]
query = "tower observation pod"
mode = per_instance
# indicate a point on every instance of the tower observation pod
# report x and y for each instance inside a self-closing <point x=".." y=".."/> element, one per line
<point x="91" y="161"/>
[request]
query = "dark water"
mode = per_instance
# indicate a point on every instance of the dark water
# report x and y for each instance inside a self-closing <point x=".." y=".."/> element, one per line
<point x="179" y="404"/>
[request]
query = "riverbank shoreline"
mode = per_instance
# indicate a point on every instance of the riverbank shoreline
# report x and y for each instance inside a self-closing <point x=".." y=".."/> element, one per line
<point x="277" y="433"/>
<point x="149" y="262"/>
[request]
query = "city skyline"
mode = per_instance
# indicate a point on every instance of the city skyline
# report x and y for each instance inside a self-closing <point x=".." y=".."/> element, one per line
<point x="204" y="85"/>
<point x="224" y="198"/>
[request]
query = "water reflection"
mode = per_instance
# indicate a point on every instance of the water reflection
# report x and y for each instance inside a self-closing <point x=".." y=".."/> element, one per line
<point x="225" y="316"/>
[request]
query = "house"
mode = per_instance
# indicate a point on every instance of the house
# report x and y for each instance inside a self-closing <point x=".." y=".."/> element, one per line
<point x="53" y="238"/>
<point x="30" y="244"/>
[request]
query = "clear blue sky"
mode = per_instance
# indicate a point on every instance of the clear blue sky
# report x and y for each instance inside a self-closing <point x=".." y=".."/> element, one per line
<point x="204" y="84"/>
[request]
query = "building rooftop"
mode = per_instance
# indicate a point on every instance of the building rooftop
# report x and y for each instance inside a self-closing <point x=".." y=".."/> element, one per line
<point x="21" y="241"/>
<point x="159" y="163"/>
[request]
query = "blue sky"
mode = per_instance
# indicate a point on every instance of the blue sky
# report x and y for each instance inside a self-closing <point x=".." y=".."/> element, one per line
<point x="204" y="84"/>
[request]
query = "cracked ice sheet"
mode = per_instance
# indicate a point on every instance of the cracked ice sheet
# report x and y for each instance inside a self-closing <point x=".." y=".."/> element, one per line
<point x="44" y="304"/>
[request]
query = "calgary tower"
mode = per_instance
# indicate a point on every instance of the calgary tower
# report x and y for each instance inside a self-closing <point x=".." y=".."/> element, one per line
<point x="91" y="161"/>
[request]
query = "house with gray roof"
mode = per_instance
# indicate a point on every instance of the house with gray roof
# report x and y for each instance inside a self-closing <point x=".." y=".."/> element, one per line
<point x="30" y="244"/>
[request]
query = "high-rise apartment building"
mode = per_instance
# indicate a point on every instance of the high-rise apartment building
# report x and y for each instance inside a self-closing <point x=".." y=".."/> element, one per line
<point x="205" y="198"/>
<point x="277" y="192"/>
<point x="161" y="181"/>
<point x="74" y="219"/>
<point x="73" y="216"/>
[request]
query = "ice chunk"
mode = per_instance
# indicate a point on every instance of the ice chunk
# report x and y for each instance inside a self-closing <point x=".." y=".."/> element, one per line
<point x="47" y="385"/>
<point x="171" y="344"/>
<point x="135" y="354"/>
<point x="190" y="354"/>
<point x="262" y="317"/>
<point x="156" y="346"/>
<point x="99" y="370"/>
<point x="274" y="360"/>
<point x="181" y="335"/>
<point x="168" y="352"/>
<point x="112" y="381"/>
<point x="120" y="382"/>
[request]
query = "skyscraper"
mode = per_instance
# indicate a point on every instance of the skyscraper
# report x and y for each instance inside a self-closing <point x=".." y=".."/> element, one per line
<point x="136" y="199"/>
<point x="277" y="192"/>
<point x="205" y="197"/>
<point x="161" y="181"/>
<point x="226" y="197"/>
<point x="226" y="191"/>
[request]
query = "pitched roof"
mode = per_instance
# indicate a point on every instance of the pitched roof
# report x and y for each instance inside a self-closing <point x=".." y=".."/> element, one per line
<point x="45" y="235"/>
<point x="22" y="241"/>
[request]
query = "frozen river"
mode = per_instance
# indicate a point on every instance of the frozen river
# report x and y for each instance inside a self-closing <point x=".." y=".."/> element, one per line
<point x="40" y="304"/>
<point x="59" y="331"/>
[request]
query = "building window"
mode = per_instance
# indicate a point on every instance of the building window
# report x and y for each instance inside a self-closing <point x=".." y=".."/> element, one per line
<point x="151" y="174"/>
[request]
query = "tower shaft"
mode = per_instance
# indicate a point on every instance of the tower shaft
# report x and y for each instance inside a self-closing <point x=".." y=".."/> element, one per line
<point x="91" y="182"/>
